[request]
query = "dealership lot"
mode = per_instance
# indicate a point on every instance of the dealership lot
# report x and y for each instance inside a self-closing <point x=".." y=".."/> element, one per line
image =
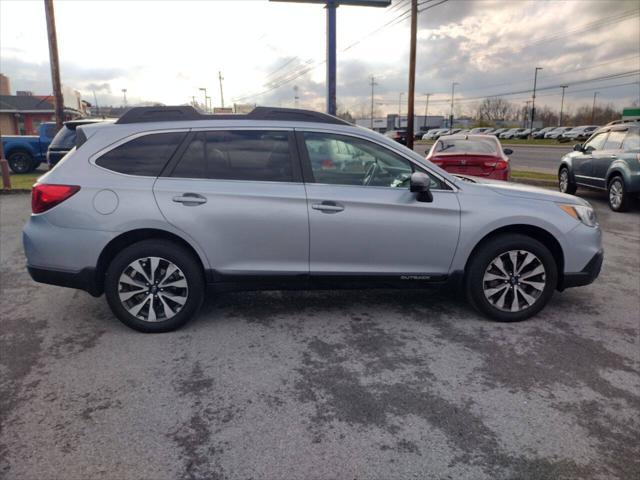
<point x="350" y="384"/>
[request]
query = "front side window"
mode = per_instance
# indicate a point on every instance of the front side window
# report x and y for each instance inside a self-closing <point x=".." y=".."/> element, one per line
<point x="343" y="160"/>
<point x="251" y="155"/>
<point x="596" y="142"/>
<point x="145" y="156"/>
<point x="614" y="141"/>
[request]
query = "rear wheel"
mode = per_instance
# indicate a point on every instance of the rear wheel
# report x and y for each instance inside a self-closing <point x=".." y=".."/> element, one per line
<point x="154" y="286"/>
<point x="511" y="278"/>
<point x="618" y="197"/>
<point x="565" y="184"/>
<point x="20" y="162"/>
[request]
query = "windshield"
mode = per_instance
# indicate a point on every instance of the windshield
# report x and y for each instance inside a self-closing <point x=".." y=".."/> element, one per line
<point x="479" y="146"/>
<point x="65" y="138"/>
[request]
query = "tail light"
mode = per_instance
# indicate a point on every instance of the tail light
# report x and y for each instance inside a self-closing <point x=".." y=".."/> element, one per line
<point x="45" y="196"/>
<point x="499" y="165"/>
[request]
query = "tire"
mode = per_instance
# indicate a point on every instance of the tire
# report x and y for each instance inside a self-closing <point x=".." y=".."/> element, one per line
<point x="565" y="185"/>
<point x="20" y="161"/>
<point x="492" y="293"/>
<point x="145" y="302"/>
<point x="619" y="199"/>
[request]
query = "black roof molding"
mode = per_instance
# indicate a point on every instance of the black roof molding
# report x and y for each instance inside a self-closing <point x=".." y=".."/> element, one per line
<point x="184" y="113"/>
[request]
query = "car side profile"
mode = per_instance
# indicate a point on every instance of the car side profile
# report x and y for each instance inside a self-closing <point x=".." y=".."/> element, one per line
<point x="166" y="205"/>
<point x="609" y="160"/>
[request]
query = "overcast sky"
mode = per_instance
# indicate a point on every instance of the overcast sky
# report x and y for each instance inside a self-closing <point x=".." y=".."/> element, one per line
<point x="165" y="50"/>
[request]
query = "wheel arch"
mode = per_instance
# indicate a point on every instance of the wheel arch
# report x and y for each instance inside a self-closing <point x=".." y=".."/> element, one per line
<point x="617" y="169"/>
<point x="537" y="233"/>
<point x="126" y="239"/>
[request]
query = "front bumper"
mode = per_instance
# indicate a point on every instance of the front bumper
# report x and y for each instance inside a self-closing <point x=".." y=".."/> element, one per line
<point x="588" y="274"/>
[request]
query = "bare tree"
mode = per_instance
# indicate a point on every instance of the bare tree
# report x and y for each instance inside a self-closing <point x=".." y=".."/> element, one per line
<point x="495" y="108"/>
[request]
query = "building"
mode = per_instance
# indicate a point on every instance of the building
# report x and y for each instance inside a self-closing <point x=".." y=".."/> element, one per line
<point x="22" y="114"/>
<point x="391" y="122"/>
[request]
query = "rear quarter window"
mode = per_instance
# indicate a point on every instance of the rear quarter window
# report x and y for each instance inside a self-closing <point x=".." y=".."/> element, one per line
<point x="65" y="138"/>
<point x="144" y="156"/>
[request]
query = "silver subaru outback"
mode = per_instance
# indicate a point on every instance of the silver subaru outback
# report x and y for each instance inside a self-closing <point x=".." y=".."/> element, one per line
<point x="166" y="204"/>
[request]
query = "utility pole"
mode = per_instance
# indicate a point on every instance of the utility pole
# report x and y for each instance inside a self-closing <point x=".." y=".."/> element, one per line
<point x="400" y="109"/>
<point x="561" y="104"/>
<point x="453" y="88"/>
<point x="202" y="89"/>
<point x="220" y="79"/>
<point x="412" y="74"/>
<point x="426" y="110"/>
<point x="295" y="96"/>
<point x="55" y="65"/>
<point x="373" y="83"/>
<point x="4" y="167"/>
<point x="533" y="98"/>
<point x="95" y="100"/>
<point x="593" y="107"/>
<point x="331" y="7"/>
<point x="124" y="94"/>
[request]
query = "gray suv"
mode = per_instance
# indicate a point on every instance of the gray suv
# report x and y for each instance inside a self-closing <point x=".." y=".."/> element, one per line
<point x="166" y="203"/>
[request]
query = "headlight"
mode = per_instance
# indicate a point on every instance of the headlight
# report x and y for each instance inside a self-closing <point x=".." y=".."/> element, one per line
<point x="585" y="214"/>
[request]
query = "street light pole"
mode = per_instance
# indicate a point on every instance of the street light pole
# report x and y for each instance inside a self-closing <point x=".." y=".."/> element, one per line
<point x="593" y="107"/>
<point x="533" y="99"/>
<point x="426" y="110"/>
<point x="202" y="89"/>
<point x="562" y="104"/>
<point x="220" y="79"/>
<point x="453" y="87"/>
<point x="400" y="109"/>
<point x="526" y="114"/>
<point x="124" y="94"/>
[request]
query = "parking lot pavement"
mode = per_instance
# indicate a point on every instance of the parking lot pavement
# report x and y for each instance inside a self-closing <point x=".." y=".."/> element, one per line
<point x="384" y="384"/>
<point x="536" y="158"/>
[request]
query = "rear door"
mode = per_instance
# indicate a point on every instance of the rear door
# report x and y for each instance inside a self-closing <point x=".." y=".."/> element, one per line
<point x="364" y="221"/>
<point x="239" y="194"/>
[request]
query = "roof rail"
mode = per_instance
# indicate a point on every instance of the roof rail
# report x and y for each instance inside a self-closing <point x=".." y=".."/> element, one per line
<point x="184" y="113"/>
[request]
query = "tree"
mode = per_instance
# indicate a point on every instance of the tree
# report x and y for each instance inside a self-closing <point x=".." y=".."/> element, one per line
<point x="495" y="108"/>
<point x="346" y="115"/>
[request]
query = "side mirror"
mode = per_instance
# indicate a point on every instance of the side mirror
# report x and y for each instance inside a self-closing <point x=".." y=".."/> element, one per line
<point x="507" y="151"/>
<point x="578" y="147"/>
<point x="420" y="183"/>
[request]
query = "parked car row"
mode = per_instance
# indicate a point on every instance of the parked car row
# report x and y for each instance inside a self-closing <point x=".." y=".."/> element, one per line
<point x="562" y="134"/>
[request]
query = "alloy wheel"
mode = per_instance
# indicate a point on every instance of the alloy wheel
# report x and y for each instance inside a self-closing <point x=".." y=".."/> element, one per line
<point x="153" y="289"/>
<point x="514" y="280"/>
<point x="564" y="180"/>
<point x="616" y="192"/>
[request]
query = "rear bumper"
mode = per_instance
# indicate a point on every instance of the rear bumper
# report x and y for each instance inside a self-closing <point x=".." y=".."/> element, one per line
<point x="85" y="279"/>
<point x="586" y="276"/>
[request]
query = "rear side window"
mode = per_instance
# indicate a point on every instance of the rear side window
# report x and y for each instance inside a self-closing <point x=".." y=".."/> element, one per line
<point x="237" y="155"/>
<point x="631" y="141"/>
<point x="65" y="138"/>
<point x="144" y="156"/>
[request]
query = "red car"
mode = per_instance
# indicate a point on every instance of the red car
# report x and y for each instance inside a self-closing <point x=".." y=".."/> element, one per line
<point x="476" y="155"/>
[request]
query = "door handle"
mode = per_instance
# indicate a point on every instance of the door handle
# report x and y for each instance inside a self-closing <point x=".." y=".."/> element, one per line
<point x="190" y="199"/>
<point x="328" y="207"/>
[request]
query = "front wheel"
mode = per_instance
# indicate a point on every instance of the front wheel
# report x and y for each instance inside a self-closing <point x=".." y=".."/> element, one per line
<point x="154" y="286"/>
<point x="618" y="197"/>
<point x="511" y="278"/>
<point x="20" y="162"/>
<point x="565" y="185"/>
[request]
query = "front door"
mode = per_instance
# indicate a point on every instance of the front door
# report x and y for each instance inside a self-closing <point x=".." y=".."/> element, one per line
<point x="583" y="163"/>
<point x="363" y="219"/>
<point x="602" y="159"/>
<point x="239" y="195"/>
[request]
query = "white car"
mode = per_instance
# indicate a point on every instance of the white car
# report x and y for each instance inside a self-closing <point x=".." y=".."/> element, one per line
<point x="556" y="132"/>
<point x="513" y="133"/>
<point x="579" y="133"/>
<point x="431" y="134"/>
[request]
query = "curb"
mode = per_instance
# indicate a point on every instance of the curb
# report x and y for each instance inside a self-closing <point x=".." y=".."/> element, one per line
<point x="537" y="182"/>
<point x="14" y="190"/>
